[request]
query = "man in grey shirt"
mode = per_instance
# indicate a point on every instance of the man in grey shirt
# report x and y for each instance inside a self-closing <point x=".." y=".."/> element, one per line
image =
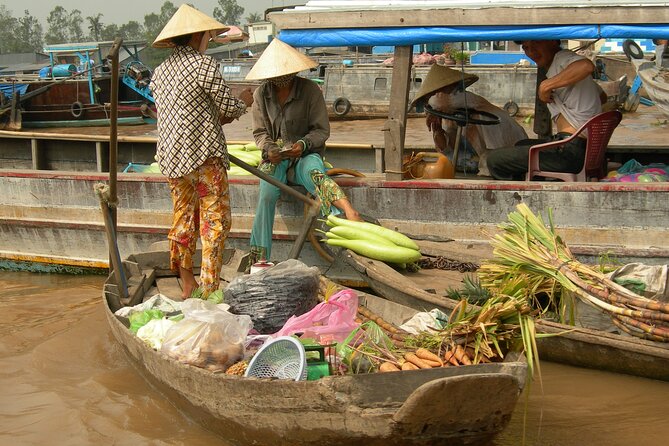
<point x="572" y="97"/>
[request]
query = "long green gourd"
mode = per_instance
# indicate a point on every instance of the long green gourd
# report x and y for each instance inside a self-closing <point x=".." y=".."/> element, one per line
<point x="351" y="233"/>
<point x="394" y="236"/>
<point x="377" y="251"/>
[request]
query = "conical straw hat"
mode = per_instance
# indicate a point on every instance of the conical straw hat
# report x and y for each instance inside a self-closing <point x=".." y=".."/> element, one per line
<point x="279" y="59"/>
<point x="187" y="20"/>
<point x="441" y="76"/>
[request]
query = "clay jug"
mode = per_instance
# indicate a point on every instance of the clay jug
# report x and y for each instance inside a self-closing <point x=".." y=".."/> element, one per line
<point x="416" y="167"/>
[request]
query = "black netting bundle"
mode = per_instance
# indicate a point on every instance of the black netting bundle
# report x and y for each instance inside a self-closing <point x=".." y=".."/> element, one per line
<point x="273" y="295"/>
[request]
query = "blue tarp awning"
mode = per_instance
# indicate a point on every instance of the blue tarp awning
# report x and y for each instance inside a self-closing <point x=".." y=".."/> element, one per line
<point x="399" y="36"/>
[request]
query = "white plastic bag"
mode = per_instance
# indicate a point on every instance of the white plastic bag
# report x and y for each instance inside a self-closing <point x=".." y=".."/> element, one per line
<point x="430" y="321"/>
<point x="153" y="333"/>
<point x="155" y="302"/>
<point x="208" y="336"/>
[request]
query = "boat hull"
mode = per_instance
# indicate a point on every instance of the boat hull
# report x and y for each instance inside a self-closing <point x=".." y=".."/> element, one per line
<point x="655" y="82"/>
<point x="73" y="104"/>
<point x="367" y="87"/>
<point x="55" y="215"/>
<point x="465" y="405"/>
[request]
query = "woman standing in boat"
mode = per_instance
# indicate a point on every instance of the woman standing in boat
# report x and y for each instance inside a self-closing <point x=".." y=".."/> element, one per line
<point x="290" y="126"/>
<point x="193" y="102"/>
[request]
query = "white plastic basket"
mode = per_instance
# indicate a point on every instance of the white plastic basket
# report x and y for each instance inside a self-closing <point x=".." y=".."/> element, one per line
<point x="282" y="358"/>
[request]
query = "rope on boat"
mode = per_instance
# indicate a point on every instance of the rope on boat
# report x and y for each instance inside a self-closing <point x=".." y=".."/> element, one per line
<point x="102" y="191"/>
<point x="444" y="263"/>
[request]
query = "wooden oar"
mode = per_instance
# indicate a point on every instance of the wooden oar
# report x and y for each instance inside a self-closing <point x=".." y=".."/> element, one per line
<point x="108" y="198"/>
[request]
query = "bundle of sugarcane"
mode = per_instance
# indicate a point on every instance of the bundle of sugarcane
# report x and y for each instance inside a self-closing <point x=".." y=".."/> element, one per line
<point x="528" y="250"/>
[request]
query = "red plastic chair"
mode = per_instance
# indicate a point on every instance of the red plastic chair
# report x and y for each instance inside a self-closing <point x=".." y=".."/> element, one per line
<point x="599" y="128"/>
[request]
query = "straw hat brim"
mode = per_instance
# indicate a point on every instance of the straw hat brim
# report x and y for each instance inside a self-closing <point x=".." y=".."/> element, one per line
<point x="187" y="20"/>
<point x="441" y="76"/>
<point x="279" y="59"/>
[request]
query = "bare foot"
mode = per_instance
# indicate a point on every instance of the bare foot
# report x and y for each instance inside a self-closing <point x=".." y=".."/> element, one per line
<point x="188" y="282"/>
<point x="344" y="205"/>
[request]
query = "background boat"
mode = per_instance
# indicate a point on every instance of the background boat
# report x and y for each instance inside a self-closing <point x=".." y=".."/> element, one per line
<point x="74" y="89"/>
<point x="655" y="81"/>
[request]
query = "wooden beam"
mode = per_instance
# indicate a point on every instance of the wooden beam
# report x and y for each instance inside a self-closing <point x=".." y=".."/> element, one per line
<point x="543" y="125"/>
<point x="533" y="15"/>
<point x="395" y="127"/>
<point x="37" y="158"/>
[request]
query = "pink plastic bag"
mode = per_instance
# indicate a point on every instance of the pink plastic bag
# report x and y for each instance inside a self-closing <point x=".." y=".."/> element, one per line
<point x="326" y="322"/>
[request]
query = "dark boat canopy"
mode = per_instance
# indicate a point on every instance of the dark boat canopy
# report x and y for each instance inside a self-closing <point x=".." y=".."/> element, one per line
<point x="402" y="22"/>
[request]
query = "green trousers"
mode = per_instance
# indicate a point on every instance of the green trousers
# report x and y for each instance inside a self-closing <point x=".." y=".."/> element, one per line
<point x="263" y="222"/>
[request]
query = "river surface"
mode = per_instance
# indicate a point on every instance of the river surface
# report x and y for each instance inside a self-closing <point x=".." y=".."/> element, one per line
<point x="63" y="381"/>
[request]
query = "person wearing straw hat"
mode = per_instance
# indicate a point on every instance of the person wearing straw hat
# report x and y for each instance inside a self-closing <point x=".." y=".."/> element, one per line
<point x="290" y="126"/>
<point x="193" y="102"/>
<point x="444" y="90"/>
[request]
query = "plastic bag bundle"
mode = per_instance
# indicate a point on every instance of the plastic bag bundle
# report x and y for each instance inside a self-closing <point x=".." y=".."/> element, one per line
<point x="208" y="336"/>
<point x="273" y="295"/>
<point x="329" y="321"/>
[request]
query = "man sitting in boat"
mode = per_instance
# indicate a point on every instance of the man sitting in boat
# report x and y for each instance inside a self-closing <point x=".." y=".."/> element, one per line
<point x="444" y="89"/>
<point x="290" y="126"/>
<point x="572" y="97"/>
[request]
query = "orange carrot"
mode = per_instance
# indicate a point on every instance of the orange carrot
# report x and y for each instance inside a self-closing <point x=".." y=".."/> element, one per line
<point x="461" y="355"/>
<point x="411" y="357"/>
<point x="450" y="357"/>
<point x="406" y="365"/>
<point x="427" y="355"/>
<point x="433" y="364"/>
<point x="388" y="367"/>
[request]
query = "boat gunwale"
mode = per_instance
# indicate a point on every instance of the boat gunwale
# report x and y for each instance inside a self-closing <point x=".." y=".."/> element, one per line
<point x="371" y="181"/>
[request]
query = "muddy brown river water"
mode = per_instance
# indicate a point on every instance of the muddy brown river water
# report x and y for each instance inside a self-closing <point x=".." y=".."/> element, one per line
<point x="63" y="381"/>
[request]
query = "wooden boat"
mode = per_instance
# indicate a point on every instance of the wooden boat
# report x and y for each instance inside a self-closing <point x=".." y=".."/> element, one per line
<point x="363" y="91"/>
<point x="464" y="405"/>
<point x="655" y="81"/>
<point x="577" y="346"/>
<point x="74" y="89"/>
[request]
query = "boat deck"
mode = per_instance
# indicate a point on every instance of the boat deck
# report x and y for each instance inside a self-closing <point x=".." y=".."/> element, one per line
<point x="48" y="212"/>
<point x="356" y="144"/>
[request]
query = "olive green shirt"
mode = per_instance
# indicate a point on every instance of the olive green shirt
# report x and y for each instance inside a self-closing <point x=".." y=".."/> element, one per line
<point x="304" y="116"/>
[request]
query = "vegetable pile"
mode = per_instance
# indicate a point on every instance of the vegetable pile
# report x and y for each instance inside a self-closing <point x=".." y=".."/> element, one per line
<point x="472" y="335"/>
<point x="249" y="153"/>
<point x="370" y="240"/>
<point x="531" y="255"/>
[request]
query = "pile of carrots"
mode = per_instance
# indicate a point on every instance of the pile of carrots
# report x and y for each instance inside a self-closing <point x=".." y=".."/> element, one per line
<point x="406" y="355"/>
<point x="422" y="358"/>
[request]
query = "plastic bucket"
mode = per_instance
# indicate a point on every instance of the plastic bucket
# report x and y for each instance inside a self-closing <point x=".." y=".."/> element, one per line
<point x="260" y="266"/>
